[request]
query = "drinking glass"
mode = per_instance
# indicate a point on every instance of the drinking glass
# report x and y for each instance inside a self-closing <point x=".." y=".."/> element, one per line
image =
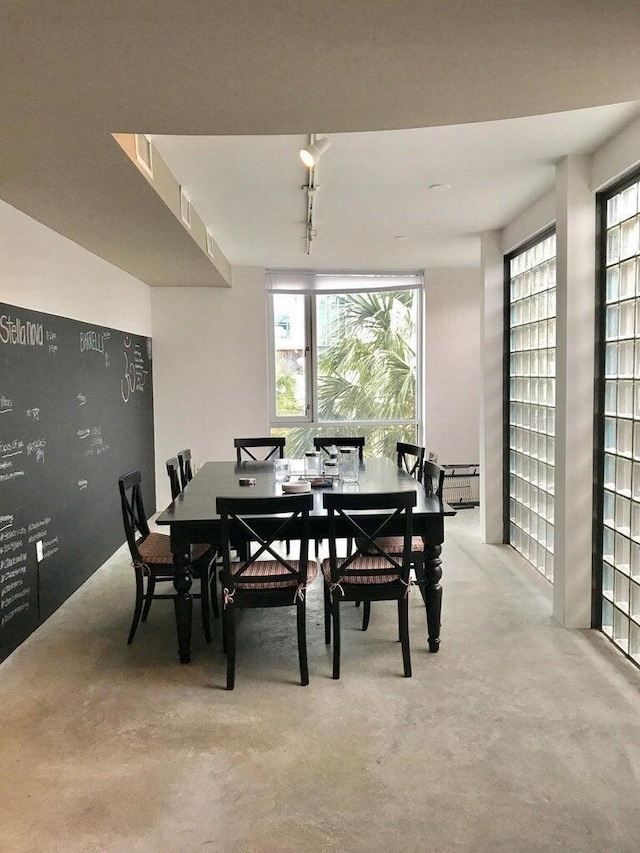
<point x="349" y="464"/>
<point x="281" y="469"/>
<point x="312" y="463"/>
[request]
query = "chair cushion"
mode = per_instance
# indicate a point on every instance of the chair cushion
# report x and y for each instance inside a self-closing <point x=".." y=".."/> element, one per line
<point x="395" y="544"/>
<point x="364" y="563"/>
<point x="266" y="568"/>
<point x="156" y="550"/>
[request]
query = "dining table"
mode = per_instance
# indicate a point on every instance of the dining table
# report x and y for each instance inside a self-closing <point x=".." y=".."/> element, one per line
<point x="192" y="518"/>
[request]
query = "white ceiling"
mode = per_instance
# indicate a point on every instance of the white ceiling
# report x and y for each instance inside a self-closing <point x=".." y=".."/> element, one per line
<point x="73" y="74"/>
<point x="374" y="188"/>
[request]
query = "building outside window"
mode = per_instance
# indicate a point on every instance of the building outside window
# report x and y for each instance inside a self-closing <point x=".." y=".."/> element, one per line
<point x="530" y="284"/>
<point x="617" y="569"/>
<point x="347" y="359"/>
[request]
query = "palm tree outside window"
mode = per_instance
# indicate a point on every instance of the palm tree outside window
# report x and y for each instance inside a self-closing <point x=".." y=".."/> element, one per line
<point x="350" y="361"/>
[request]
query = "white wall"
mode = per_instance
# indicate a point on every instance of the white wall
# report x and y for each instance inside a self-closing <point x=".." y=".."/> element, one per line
<point x="41" y="270"/>
<point x="452" y="382"/>
<point x="210" y="369"/>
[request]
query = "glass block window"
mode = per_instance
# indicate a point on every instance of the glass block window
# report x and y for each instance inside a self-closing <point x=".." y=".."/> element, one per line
<point x="531" y="288"/>
<point x="619" y="483"/>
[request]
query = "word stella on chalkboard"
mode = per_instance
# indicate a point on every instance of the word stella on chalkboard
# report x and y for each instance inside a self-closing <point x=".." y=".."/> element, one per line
<point x="76" y="412"/>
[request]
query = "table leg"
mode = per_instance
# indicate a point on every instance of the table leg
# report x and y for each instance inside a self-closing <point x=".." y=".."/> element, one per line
<point x="183" y="603"/>
<point x="433" y="593"/>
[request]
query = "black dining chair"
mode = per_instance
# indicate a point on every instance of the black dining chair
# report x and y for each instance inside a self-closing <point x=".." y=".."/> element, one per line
<point x="173" y="472"/>
<point x="369" y="572"/>
<point x="276" y="581"/>
<point x="323" y="443"/>
<point x="433" y="483"/>
<point x="270" y="448"/>
<point x="186" y="467"/>
<point x="411" y="459"/>
<point x="152" y="558"/>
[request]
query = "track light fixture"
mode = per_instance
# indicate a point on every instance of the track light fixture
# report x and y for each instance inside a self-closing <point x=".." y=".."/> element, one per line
<point x="312" y="153"/>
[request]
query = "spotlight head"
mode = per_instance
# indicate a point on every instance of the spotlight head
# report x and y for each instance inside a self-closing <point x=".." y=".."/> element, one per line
<point x="312" y="153"/>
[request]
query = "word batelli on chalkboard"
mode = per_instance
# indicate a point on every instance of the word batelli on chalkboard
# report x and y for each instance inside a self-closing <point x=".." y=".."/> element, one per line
<point x="76" y="412"/>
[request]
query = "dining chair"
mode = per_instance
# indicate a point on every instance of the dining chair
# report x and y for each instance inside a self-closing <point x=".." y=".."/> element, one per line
<point x="152" y="558"/>
<point x="274" y="580"/>
<point x="272" y="447"/>
<point x="433" y="483"/>
<point x="173" y="471"/>
<point x="369" y="572"/>
<point x="411" y="459"/>
<point x="186" y="468"/>
<point x="322" y="442"/>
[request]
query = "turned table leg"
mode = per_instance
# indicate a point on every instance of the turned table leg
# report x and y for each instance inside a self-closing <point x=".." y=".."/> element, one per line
<point x="433" y="593"/>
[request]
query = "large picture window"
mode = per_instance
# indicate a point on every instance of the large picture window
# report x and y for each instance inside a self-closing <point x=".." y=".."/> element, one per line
<point x="345" y="356"/>
<point x="531" y="325"/>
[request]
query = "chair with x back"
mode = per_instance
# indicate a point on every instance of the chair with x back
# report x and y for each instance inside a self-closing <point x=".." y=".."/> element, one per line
<point x="369" y="572"/>
<point x="270" y="448"/>
<point x="186" y="468"/>
<point x="321" y="442"/>
<point x="433" y="482"/>
<point x="264" y="578"/>
<point x="152" y="558"/>
<point x="411" y="459"/>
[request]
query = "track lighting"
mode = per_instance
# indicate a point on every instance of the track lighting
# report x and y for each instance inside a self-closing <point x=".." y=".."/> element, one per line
<point x="312" y="153"/>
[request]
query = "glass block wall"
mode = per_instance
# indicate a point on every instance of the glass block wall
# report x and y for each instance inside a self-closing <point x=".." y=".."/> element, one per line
<point x="531" y="285"/>
<point x="620" y="485"/>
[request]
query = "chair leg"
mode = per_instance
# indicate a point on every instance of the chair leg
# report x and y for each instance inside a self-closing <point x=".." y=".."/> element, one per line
<point x="403" y="621"/>
<point x="335" y="611"/>
<point x="231" y="647"/>
<point x="225" y="630"/>
<point x="205" y="591"/>
<point x="138" y="605"/>
<point x="327" y="615"/>
<point x="213" y="592"/>
<point x="366" y="613"/>
<point x="151" y="588"/>
<point x="302" y="642"/>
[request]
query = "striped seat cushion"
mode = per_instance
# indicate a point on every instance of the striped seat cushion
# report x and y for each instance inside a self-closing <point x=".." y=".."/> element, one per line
<point x="370" y="564"/>
<point x="155" y="550"/>
<point x="395" y="544"/>
<point x="267" y="568"/>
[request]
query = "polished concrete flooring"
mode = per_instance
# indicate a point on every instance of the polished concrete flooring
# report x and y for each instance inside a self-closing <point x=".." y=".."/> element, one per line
<point x="518" y="736"/>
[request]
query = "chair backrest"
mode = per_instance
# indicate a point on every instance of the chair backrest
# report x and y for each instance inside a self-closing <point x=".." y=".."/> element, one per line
<point x="433" y="479"/>
<point x="411" y="459"/>
<point x="263" y="522"/>
<point x="173" y="471"/>
<point x="271" y="447"/>
<point x="322" y="442"/>
<point x="186" y="471"/>
<point x="368" y="519"/>
<point x="133" y="514"/>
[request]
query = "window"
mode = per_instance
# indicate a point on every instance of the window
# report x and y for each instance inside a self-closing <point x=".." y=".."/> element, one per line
<point x="344" y="356"/>
<point x="530" y="280"/>
<point x="618" y="454"/>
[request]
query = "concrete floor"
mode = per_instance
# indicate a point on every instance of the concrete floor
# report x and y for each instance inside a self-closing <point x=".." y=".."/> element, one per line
<point x="518" y="736"/>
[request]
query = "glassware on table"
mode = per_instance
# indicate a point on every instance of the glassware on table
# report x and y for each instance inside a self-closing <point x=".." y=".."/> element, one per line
<point x="331" y="467"/>
<point x="349" y="464"/>
<point x="312" y="463"/>
<point x="281" y="469"/>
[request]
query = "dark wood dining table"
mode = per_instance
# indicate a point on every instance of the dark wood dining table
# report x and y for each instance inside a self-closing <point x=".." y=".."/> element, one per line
<point x="192" y="517"/>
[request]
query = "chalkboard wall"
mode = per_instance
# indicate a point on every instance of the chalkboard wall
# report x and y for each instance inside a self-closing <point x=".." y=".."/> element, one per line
<point x="76" y="412"/>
